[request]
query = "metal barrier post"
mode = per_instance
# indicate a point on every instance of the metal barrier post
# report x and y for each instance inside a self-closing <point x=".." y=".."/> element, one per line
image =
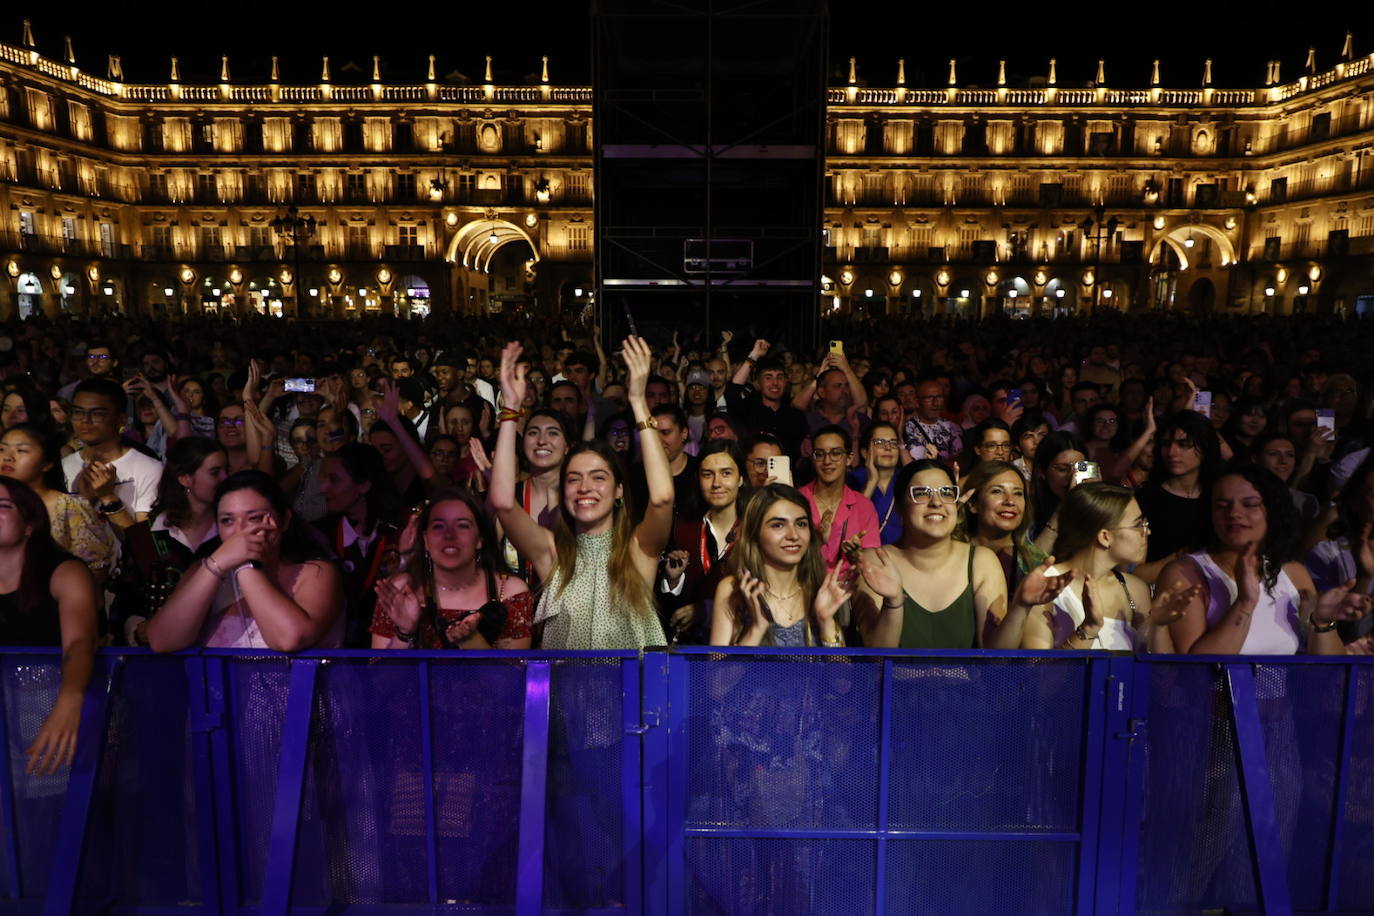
<point x="884" y="786"/>
<point x="204" y="721"/>
<point x="1119" y="812"/>
<point x="1257" y="793"/>
<point x="427" y="767"/>
<point x="1333" y="864"/>
<point x="286" y="811"/>
<point x="654" y="798"/>
<point x="634" y="723"/>
<point x="529" y="888"/>
<point x="1099" y="698"/>
<point x="76" y="807"/>
<point x="221" y="798"/>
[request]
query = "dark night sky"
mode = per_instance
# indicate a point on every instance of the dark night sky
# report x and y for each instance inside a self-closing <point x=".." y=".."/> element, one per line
<point x="1239" y="37"/>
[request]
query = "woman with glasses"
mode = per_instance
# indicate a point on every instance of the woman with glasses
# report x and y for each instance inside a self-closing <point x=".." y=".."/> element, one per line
<point x="1101" y="529"/>
<point x="838" y="513"/>
<point x="229" y="433"/>
<point x="882" y="453"/>
<point x="1104" y="435"/>
<point x="988" y="441"/>
<point x="929" y="591"/>
<point x="1052" y="472"/>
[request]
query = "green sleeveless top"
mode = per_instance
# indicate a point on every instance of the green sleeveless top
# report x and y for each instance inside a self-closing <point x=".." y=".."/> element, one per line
<point x="954" y="627"/>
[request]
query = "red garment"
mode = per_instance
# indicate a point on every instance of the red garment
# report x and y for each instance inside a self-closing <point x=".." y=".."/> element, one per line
<point x="519" y="618"/>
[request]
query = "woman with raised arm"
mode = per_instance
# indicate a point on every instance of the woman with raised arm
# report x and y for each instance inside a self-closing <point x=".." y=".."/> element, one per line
<point x="779" y="593"/>
<point x="264" y="585"/>
<point x="1102" y="529"/>
<point x="929" y="591"/>
<point x="597" y="571"/>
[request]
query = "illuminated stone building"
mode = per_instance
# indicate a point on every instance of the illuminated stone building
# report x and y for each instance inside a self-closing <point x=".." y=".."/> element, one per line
<point x="410" y="196"/>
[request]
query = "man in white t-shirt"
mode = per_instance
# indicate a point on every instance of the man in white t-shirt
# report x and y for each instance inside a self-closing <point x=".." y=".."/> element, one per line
<point x="120" y="481"/>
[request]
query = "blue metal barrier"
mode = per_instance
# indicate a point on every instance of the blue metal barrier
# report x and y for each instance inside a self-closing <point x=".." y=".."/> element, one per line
<point x="694" y="781"/>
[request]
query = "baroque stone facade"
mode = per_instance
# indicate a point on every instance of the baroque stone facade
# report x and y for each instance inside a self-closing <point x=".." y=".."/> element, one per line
<point x="173" y="197"/>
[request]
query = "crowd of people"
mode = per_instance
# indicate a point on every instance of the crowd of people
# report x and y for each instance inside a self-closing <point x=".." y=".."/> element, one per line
<point x="1113" y="482"/>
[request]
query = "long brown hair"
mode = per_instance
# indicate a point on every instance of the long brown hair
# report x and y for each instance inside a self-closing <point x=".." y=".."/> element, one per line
<point x="628" y="587"/>
<point x="1086" y="510"/>
<point x="748" y="555"/>
<point x="977" y="481"/>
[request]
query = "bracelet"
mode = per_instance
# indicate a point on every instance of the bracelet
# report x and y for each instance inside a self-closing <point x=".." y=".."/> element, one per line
<point x="113" y="507"/>
<point x="892" y="607"/>
<point x="1079" y="634"/>
<point x="836" y="643"/>
<point x="506" y="414"/>
<point x="750" y="359"/>
<point x="215" y="570"/>
<point x="183" y="416"/>
<point x="250" y="564"/>
<point x="406" y="636"/>
<point x="1322" y="627"/>
<point x="647" y="424"/>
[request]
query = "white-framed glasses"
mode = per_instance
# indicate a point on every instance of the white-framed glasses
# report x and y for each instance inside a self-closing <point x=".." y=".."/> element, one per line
<point x="948" y="493"/>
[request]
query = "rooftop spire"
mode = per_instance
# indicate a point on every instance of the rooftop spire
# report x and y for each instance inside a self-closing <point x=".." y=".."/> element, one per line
<point x="1154" y="74"/>
<point x="324" y="71"/>
<point x="28" y="35"/>
<point x="176" y="71"/>
<point x="1001" y="73"/>
<point x="276" y="69"/>
<point x="1207" y="73"/>
<point x="486" y="75"/>
<point x="224" y="68"/>
<point x="1053" y="66"/>
<point x="430" y="73"/>
<point x="901" y="71"/>
<point x="1101" y="73"/>
<point x="1348" y="49"/>
<point x="376" y="68"/>
<point x="544" y="69"/>
<point x="114" y="68"/>
<point x="853" y="71"/>
<point x="953" y="79"/>
<point x="1311" y="60"/>
<point x="67" y="49"/>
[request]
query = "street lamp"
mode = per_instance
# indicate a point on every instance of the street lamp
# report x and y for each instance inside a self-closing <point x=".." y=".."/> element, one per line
<point x="1098" y="229"/>
<point x="298" y="230"/>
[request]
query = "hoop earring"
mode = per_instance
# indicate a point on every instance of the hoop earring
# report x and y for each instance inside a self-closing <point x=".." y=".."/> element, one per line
<point x="619" y="503"/>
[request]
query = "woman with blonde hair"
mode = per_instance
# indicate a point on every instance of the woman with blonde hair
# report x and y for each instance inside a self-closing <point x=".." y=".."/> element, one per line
<point x="779" y="593"/>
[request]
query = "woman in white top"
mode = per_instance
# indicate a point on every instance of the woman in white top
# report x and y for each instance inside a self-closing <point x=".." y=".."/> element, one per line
<point x="1254" y="599"/>
<point x="1101" y="529"/>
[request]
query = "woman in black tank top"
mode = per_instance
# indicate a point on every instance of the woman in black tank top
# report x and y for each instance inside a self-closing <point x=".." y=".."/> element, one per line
<point x="47" y="598"/>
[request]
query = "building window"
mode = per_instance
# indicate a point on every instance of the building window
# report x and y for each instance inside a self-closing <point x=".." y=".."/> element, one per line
<point x="305" y="186"/>
<point x="157" y="186"/>
<point x="408" y="235"/>
<point x="68" y="228"/>
<point x="577" y="238"/>
<point x="466" y="183"/>
<point x="260" y="236"/>
<point x="405" y="186"/>
<point x="206" y="190"/>
<point x="1278" y="190"/>
<point x="358" y="244"/>
<point x="211" y="242"/>
<point x="355" y="187"/>
<point x="577" y="185"/>
<point x="160" y="238"/>
<point x="26" y="226"/>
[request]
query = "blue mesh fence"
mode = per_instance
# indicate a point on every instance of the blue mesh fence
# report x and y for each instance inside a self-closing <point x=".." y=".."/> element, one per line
<point x="696" y="781"/>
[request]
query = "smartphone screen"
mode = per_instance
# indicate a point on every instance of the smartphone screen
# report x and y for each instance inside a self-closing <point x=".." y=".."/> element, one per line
<point x="1202" y="403"/>
<point x="631" y="320"/>
<point x="1085" y="471"/>
<point x="780" y="469"/>
<point x="1013" y="396"/>
<point x="837" y="346"/>
<point x="1326" y="419"/>
<point x="300" y="384"/>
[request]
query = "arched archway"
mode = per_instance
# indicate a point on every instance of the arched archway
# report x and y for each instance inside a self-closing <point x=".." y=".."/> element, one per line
<point x="30" y="287"/>
<point x="477" y="242"/>
<point x="1177" y="239"/>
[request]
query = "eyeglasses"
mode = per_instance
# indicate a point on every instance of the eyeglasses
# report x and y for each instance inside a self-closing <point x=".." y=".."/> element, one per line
<point x="996" y="446"/>
<point x="1105" y="421"/>
<point x="833" y="454"/>
<point x="96" y="415"/>
<point x="1142" y="525"/>
<point x="885" y="443"/>
<point x="231" y="421"/>
<point x="931" y="397"/>
<point x="758" y="463"/>
<point x="948" y="493"/>
<point x="98" y="357"/>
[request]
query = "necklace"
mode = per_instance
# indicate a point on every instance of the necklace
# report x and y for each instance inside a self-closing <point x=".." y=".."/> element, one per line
<point x="788" y="597"/>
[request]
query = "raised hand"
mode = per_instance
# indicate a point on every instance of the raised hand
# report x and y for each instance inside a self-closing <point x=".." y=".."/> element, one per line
<point x="1246" y="574"/>
<point x="513" y="383"/>
<point x="389" y="408"/>
<point x="837" y="588"/>
<point x="1092" y="618"/>
<point x="1340" y="603"/>
<point x="761" y="347"/>
<point x="1041" y="586"/>
<point x="398" y="599"/>
<point x="638" y="360"/>
<point x="881" y="575"/>
<point x="674" y="566"/>
<point x="751" y="589"/>
<point x="1172" y="605"/>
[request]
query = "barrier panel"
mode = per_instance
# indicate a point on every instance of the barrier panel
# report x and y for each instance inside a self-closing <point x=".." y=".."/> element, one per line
<point x="693" y="781"/>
